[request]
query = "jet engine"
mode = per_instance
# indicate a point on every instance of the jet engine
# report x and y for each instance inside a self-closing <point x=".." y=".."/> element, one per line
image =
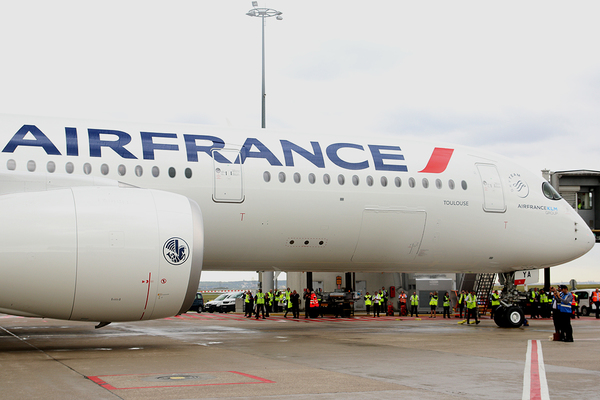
<point x="99" y="253"/>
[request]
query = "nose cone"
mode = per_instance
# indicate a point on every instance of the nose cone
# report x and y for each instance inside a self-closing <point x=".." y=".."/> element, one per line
<point x="584" y="238"/>
<point x="581" y="240"/>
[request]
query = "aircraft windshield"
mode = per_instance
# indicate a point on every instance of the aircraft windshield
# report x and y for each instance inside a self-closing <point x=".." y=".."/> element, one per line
<point x="550" y="192"/>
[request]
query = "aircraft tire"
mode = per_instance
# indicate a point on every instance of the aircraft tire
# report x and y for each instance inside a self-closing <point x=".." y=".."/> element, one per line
<point x="499" y="316"/>
<point x="514" y="317"/>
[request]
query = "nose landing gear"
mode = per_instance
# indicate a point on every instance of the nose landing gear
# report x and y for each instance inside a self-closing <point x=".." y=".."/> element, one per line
<point x="509" y="314"/>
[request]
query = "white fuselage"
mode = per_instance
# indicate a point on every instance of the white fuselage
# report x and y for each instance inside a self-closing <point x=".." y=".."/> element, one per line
<point x="349" y="224"/>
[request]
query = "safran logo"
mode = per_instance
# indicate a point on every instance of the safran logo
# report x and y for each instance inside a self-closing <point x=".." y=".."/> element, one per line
<point x="176" y="251"/>
<point x="518" y="185"/>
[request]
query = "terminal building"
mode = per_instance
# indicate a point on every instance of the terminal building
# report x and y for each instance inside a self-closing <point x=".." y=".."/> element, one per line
<point x="577" y="187"/>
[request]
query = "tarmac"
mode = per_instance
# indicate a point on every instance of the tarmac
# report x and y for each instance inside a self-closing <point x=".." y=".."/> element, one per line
<point x="217" y="356"/>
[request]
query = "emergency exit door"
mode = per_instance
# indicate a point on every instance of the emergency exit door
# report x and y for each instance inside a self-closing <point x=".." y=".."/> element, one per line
<point x="493" y="195"/>
<point x="228" y="179"/>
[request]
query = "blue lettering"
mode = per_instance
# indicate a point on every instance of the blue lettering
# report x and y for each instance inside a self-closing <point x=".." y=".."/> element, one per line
<point x="192" y="148"/>
<point x="41" y="140"/>
<point x="72" y="145"/>
<point x="148" y="146"/>
<point x="378" y="158"/>
<point x="263" y="152"/>
<point x="316" y="157"/>
<point x="333" y="156"/>
<point x="118" y="145"/>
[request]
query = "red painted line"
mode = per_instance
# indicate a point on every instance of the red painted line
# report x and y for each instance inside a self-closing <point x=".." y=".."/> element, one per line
<point x="263" y="380"/>
<point x="535" y="388"/>
<point x="102" y="383"/>
<point x="438" y="162"/>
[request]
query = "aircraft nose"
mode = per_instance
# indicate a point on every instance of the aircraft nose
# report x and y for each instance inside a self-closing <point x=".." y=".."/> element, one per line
<point x="584" y="237"/>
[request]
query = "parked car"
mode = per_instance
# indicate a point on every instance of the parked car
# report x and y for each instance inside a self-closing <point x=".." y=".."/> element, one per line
<point x="228" y="303"/>
<point x="585" y="308"/>
<point x="215" y="305"/>
<point x="198" y="304"/>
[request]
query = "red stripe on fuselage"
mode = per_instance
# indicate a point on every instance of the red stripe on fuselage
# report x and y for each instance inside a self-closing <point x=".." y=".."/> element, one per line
<point x="438" y="161"/>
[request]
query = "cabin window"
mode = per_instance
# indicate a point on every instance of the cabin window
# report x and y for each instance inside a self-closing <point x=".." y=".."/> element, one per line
<point x="51" y="167"/>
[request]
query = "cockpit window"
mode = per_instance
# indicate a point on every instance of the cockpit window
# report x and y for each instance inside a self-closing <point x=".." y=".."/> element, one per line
<point x="550" y="192"/>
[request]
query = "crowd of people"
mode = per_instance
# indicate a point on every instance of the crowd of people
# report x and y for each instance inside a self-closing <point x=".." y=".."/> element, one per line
<point x="262" y="304"/>
<point x="559" y="303"/>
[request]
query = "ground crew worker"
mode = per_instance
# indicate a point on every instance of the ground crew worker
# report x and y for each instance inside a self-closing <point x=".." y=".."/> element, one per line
<point x="376" y="303"/>
<point x="248" y="304"/>
<point x="495" y="302"/>
<point x="433" y="302"/>
<point x="575" y="305"/>
<point x="564" y="300"/>
<point x="314" y="305"/>
<point x="278" y="300"/>
<point x="286" y="296"/>
<point x="446" y="305"/>
<point x="543" y="304"/>
<point x="384" y="298"/>
<point x="414" y="304"/>
<point x="461" y="302"/>
<point x="260" y="303"/>
<point x="368" y="302"/>
<point x="306" y="298"/>
<point x="269" y="298"/>
<point x="472" y="306"/>
<point x="596" y="300"/>
<point x="295" y="298"/>
<point x="402" y="303"/>
<point x="533" y="302"/>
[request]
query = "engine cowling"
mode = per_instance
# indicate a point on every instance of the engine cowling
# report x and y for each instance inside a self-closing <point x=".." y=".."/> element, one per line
<point x="99" y="253"/>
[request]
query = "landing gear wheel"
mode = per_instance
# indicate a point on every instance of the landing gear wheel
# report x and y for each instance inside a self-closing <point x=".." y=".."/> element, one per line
<point x="514" y="317"/>
<point x="499" y="316"/>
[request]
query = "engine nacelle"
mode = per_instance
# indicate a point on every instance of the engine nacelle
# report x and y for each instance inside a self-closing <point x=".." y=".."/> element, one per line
<point x="99" y="253"/>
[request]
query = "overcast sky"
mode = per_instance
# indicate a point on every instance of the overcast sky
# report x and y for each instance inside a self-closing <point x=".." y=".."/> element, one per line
<point x="519" y="78"/>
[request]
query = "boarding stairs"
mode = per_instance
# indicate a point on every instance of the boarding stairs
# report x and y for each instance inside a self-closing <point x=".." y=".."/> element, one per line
<point x="483" y="288"/>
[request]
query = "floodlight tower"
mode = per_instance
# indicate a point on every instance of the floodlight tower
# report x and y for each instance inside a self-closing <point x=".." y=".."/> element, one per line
<point x="263" y="13"/>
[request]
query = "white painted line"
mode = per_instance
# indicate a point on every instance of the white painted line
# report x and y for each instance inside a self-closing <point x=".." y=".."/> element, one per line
<point x="535" y="385"/>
